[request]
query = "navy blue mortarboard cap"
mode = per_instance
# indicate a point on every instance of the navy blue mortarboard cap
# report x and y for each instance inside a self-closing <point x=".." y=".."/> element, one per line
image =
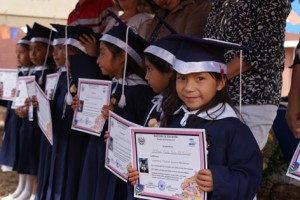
<point x="75" y="32"/>
<point x="60" y="35"/>
<point x="27" y="37"/>
<point x="164" y="48"/>
<point x="41" y="33"/>
<point x="202" y="54"/>
<point x="132" y="42"/>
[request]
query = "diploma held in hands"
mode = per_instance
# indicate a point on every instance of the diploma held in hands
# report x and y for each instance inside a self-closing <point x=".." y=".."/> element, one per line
<point x="51" y="83"/>
<point x="167" y="161"/>
<point x="44" y="114"/>
<point x="21" y="91"/>
<point x="118" y="145"/>
<point x="8" y="81"/>
<point x="93" y="95"/>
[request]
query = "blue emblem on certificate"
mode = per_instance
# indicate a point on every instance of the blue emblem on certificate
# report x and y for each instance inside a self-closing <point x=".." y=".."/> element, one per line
<point x="139" y="188"/>
<point x="192" y="142"/>
<point x="161" y="185"/>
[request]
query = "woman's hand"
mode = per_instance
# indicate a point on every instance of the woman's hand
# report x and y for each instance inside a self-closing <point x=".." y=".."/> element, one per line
<point x="205" y="180"/>
<point x="133" y="174"/>
<point x="90" y="44"/>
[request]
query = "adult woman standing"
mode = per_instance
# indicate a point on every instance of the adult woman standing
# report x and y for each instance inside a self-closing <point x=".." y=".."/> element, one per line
<point x="187" y="17"/>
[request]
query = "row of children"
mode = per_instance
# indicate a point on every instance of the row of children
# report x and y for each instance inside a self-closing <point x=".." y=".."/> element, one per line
<point x="188" y="89"/>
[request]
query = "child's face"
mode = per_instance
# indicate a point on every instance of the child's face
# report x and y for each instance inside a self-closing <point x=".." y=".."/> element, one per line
<point x="23" y="58"/>
<point x="38" y="52"/>
<point x="157" y="80"/>
<point x="197" y="89"/>
<point x="59" y="55"/>
<point x="108" y="65"/>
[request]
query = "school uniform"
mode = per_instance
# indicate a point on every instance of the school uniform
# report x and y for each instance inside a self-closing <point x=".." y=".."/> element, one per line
<point x="61" y="129"/>
<point x="154" y="112"/>
<point x="28" y="145"/>
<point x="9" y="150"/>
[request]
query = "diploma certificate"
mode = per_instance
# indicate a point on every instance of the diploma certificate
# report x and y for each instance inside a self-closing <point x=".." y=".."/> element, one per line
<point x="118" y="145"/>
<point x="50" y="86"/>
<point x="167" y="161"/>
<point x="44" y="114"/>
<point x="294" y="170"/>
<point x="8" y="81"/>
<point x="93" y="95"/>
<point x="21" y="91"/>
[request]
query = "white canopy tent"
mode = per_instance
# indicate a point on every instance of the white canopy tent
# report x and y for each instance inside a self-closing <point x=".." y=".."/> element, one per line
<point x="18" y="13"/>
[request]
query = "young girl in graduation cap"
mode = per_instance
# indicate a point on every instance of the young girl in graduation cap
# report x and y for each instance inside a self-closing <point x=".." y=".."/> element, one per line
<point x="41" y="56"/>
<point x="81" y="65"/>
<point x="10" y="147"/>
<point x="61" y="126"/>
<point x="121" y="59"/>
<point x="200" y="100"/>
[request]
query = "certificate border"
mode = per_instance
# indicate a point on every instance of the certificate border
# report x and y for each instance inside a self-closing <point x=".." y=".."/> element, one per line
<point x="291" y="167"/>
<point x="25" y="78"/>
<point x="118" y="173"/>
<point x="49" y="111"/>
<point x="95" y="82"/>
<point x="168" y="131"/>
<point x="9" y="70"/>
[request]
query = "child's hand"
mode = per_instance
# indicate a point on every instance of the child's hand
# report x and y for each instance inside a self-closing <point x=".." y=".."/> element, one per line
<point x="205" y="180"/>
<point x="34" y="102"/>
<point x="75" y="102"/>
<point x="21" y="111"/>
<point x="105" y="111"/>
<point x="133" y="174"/>
<point x="13" y="92"/>
<point x="27" y="102"/>
<point x="90" y="44"/>
<point x="106" y="136"/>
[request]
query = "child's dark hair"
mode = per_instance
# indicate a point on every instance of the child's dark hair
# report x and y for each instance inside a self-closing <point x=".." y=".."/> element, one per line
<point x="50" y="60"/>
<point x="132" y="65"/>
<point x="173" y="102"/>
<point x="160" y="64"/>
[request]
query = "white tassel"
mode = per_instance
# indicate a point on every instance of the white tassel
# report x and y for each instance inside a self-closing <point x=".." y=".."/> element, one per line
<point x="122" y="102"/>
<point x="69" y="98"/>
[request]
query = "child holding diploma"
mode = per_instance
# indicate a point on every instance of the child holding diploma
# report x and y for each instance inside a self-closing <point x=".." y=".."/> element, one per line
<point x="9" y="153"/>
<point x="128" y="83"/>
<point x="61" y="126"/>
<point x="81" y="65"/>
<point x="41" y="56"/>
<point x="200" y="100"/>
